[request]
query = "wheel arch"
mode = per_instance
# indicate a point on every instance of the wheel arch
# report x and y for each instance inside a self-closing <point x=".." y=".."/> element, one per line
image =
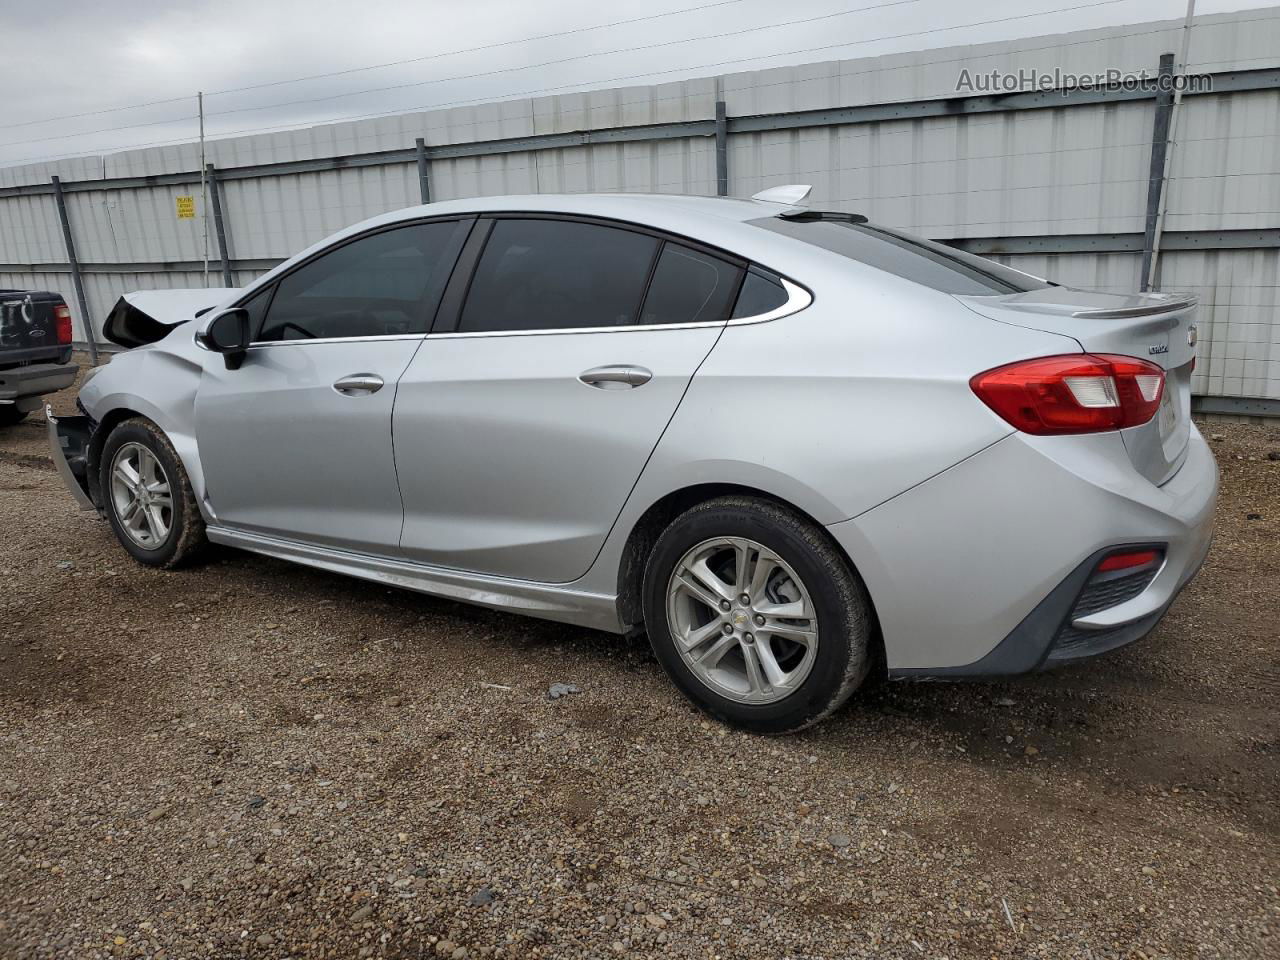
<point x="658" y="516"/>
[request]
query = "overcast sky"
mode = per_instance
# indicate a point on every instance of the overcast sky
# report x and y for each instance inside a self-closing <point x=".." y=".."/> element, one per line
<point x="77" y="56"/>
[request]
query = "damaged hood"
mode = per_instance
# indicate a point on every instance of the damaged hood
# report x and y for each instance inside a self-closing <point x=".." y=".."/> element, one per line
<point x="146" y="316"/>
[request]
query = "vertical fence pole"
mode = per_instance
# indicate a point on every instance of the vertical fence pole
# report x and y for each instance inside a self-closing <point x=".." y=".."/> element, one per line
<point x="424" y="185"/>
<point x="1155" y="180"/>
<point x="74" y="263"/>
<point x="219" y="225"/>
<point x="722" y="150"/>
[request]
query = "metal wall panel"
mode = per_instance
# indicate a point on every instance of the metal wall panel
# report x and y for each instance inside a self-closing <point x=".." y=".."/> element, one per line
<point x="1054" y="171"/>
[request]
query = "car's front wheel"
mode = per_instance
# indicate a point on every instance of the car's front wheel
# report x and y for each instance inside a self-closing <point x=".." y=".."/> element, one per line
<point x="756" y="616"/>
<point x="10" y="414"/>
<point x="148" y="497"/>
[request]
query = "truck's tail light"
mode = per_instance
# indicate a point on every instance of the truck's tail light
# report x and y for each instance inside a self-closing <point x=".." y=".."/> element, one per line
<point x="1077" y="393"/>
<point x="62" y="323"/>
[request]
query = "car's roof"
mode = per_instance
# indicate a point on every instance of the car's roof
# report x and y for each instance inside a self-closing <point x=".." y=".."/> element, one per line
<point x="640" y="207"/>
<point x="717" y="221"/>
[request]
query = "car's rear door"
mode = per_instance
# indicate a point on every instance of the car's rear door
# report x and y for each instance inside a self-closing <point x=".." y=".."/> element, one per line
<point x="296" y="442"/>
<point x="527" y="416"/>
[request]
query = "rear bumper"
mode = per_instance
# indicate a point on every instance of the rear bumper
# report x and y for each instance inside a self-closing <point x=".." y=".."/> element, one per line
<point x="977" y="572"/>
<point x="25" y="385"/>
<point x="69" y="448"/>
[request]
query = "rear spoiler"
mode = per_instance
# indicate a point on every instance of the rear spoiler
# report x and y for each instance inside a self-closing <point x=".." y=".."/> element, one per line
<point x="1171" y="305"/>
<point x="146" y="316"/>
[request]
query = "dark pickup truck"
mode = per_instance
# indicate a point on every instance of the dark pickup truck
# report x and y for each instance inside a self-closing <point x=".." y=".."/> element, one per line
<point x="35" y="351"/>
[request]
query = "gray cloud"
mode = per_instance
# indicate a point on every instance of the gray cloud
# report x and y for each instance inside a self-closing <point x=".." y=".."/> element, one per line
<point x="75" y="56"/>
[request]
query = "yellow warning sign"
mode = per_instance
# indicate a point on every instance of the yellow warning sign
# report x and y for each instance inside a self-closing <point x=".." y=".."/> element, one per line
<point x="186" y="207"/>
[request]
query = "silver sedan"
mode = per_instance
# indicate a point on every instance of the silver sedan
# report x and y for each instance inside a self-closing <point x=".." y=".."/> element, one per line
<point x="797" y="448"/>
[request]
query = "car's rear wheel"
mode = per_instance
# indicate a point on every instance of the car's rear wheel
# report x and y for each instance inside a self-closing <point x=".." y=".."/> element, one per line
<point x="10" y="414"/>
<point x="148" y="497"/>
<point x="756" y="616"/>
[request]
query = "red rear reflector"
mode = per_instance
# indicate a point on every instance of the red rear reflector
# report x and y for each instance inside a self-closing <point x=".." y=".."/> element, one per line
<point x="1077" y="393"/>
<point x="1127" y="561"/>
<point x="62" y="323"/>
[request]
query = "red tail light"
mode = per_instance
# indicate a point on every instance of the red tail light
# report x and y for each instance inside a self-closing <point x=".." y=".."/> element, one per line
<point x="1078" y="393"/>
<point x="62" y="323"/>
<point x="1128" y="561"/>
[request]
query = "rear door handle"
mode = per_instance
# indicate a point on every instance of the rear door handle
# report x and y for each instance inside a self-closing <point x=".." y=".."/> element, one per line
<point x="616" y="376"/>
<point x="359" y="384"/>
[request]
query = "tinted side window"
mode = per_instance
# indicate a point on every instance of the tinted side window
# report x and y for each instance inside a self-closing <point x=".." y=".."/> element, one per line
<point x="257" y="307"/>
<point x="385" y="284"/>
<point x="912" y="258"/>
<point x="760" y="294"/>
<point x="689" y="287"/>
<point x="556" y="274"/>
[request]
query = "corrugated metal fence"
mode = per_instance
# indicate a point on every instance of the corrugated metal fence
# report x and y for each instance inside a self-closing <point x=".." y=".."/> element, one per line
<point x="1055" y="182"/>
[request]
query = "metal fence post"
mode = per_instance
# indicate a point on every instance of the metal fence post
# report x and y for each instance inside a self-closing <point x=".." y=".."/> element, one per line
<point x="85" y="319"/>
<point x="1159" y="147"/>
<point x="215" y="195"/>
<point x="424" y="185"/>
<point x="722" y="150"/>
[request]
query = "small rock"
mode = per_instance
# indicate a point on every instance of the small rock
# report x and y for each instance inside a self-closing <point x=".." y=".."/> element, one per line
<point x="394" y="701"/>
<point x="1274" y="455"/>
<point x="363" y="914"/>
<point x="459" y="953"/>
<point x="65" y="564"/>
<point x="1149" y="871"/>
<point x="804" y="810"/>
<point x="445" y="948"/>
<point x="1217" y="438"/>
<point x="655" y="921"/>
<point x="1253" y="516"/>
<point x="156" y="814"/>
<point x="1030" y="751"/>
<point x="483" y="897"/>
<point x="256" y="802"/>
<point x="265" y="940"/>
<point x="838" y="840"/>
<point x="558" y="690"/>
<point x="1005" y="702"/>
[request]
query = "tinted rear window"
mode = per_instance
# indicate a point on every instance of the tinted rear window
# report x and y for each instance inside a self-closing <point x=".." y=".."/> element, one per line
<point x="689" y="287"/>
<point x="760" y="294"/>
<point x="557" y="274"/>
<point x="912" y="258"/>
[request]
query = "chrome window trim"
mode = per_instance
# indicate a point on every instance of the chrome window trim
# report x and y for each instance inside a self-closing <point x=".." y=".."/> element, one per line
<point x="292" y="343"/>
<point x="798" y="298"/>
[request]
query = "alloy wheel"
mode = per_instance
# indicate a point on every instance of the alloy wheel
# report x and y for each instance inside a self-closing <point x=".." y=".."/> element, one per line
<point x="141" y="495"/>
<point x="742" y="620"/>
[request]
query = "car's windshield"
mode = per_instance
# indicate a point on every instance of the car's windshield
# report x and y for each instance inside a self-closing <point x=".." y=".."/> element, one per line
<point x="913" y="258"/>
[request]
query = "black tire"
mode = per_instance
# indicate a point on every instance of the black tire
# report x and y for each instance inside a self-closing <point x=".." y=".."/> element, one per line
<point x="10" y="415"/>
<point x="186" y="536"/>
<point x="845" y="625"/>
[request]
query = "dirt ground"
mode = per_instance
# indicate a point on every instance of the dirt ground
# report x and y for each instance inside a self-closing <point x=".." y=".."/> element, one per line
<point x="251" y="759"/>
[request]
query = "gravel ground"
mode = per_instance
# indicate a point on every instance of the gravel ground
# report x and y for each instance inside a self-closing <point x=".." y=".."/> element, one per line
<point x="251" y="759"/>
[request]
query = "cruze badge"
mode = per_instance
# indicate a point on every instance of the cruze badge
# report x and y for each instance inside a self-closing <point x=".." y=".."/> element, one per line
<point x="1158" y="348"/>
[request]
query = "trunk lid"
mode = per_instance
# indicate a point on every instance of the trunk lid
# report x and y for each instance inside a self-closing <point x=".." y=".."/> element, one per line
<point x="1157" y="327"/>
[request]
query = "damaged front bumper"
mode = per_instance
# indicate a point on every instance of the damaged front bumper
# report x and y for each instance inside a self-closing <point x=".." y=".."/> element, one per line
<point x="69" y="449"/>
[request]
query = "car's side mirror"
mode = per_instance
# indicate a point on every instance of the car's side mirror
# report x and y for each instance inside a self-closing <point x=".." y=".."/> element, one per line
<point x="228" y="334"/>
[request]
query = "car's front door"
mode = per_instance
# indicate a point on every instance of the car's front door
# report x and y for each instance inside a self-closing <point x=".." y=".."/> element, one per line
<point x="521" y="430"/>
<point x="296" y="442"/>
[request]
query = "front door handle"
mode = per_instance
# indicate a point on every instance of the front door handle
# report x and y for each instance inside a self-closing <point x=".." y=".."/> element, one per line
<point x="616" y="376"/>
<point x="359" y="384"/>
